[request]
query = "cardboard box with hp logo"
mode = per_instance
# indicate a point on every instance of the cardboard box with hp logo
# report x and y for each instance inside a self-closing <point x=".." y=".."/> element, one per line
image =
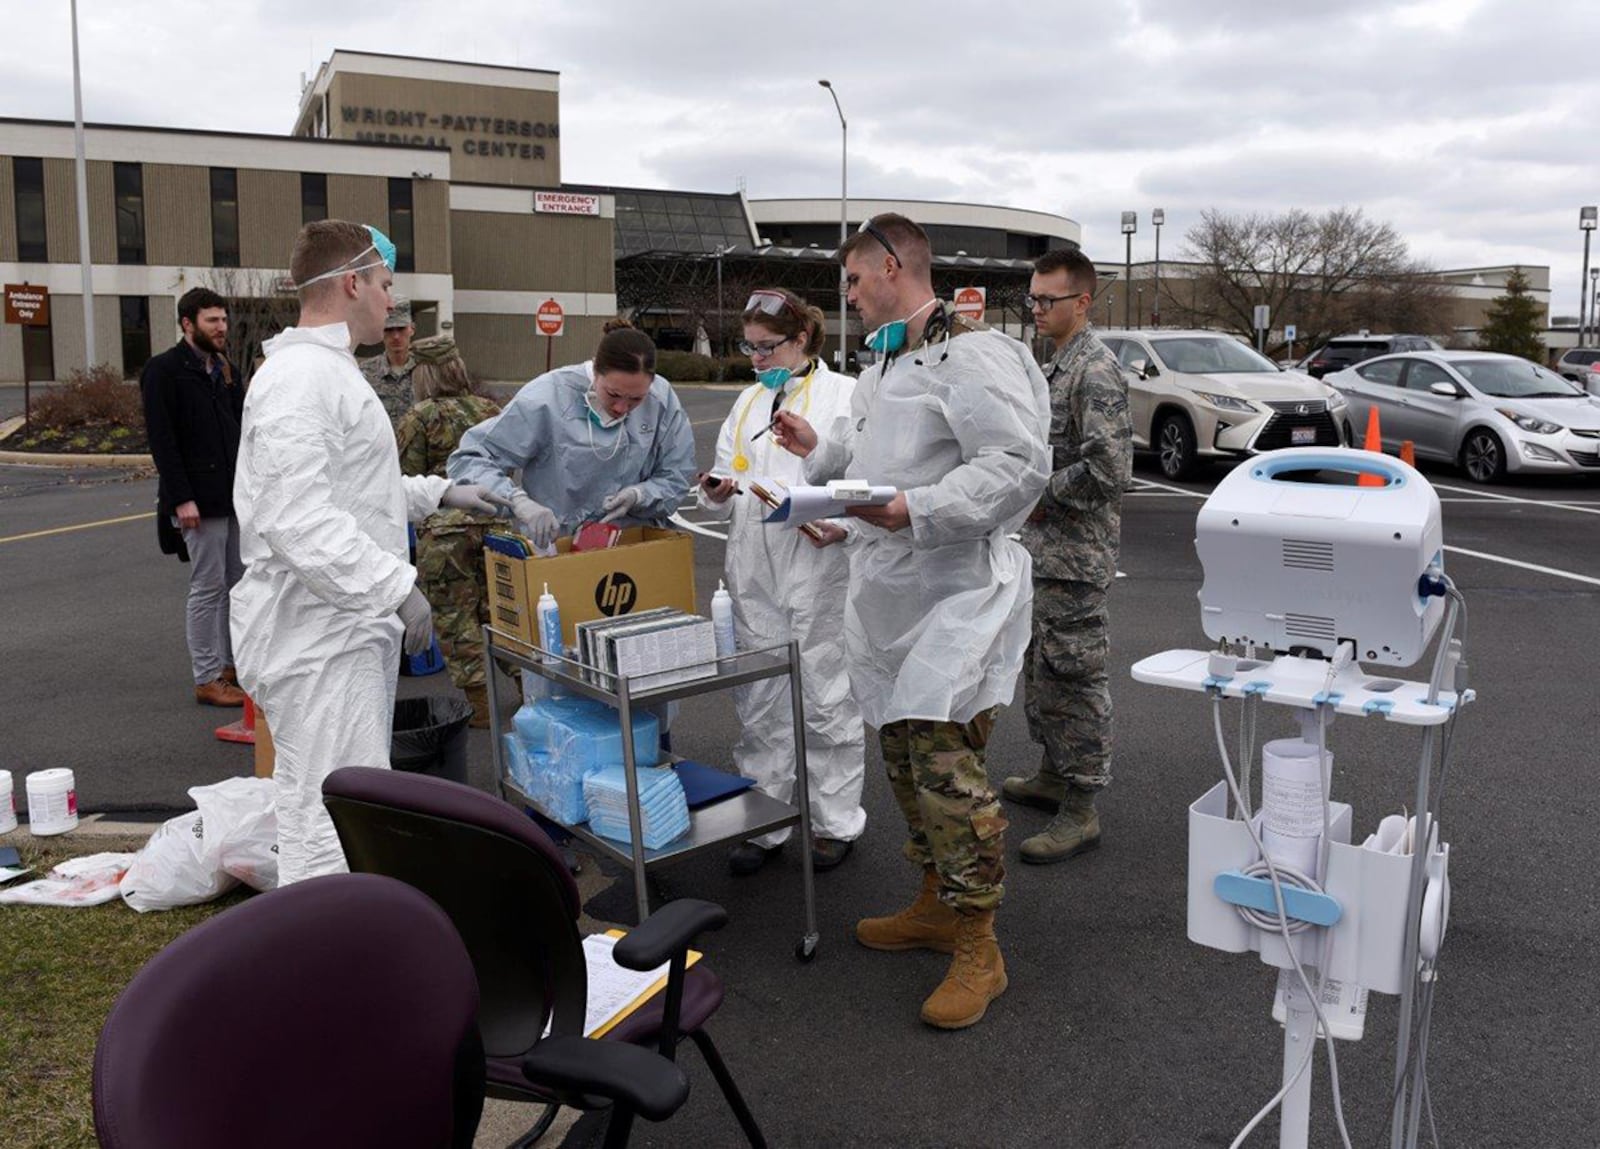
<point x="647" y="568"/>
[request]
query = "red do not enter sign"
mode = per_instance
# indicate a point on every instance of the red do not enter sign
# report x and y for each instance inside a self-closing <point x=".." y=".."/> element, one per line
<point x="550" y="318"/>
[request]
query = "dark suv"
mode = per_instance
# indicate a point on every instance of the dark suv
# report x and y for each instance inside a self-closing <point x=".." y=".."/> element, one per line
<point x="1348" y="350"/>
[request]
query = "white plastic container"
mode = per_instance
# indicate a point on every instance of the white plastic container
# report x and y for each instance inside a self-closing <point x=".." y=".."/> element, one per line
<point x="8" y="802"/>
<point x="1291" y="802"/>
<point x="52" y="802"/>
<point x="549" y="616"/>
<point x="722" y="621"/>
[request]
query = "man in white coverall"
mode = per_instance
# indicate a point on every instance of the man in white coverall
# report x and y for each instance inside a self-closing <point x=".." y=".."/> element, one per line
<point x="327" y="595"/>
<point x="785" y="589"/>
<point x="956" y="416"/>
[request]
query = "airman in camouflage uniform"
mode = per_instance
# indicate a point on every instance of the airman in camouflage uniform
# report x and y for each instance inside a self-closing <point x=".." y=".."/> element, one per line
<point x="937" y="774"/>
<point x="393" y="384"/>
<point x="450" y="542"/>
<point x="1073" y="537"/>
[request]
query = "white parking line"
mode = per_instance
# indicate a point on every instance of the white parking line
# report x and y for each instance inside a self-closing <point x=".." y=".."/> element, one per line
<point x="1525" y="566"/>
<point x="1583" y="510"/>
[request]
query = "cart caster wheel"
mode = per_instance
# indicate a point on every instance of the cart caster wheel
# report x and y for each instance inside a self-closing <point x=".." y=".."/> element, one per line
<point x="805" y="950"/>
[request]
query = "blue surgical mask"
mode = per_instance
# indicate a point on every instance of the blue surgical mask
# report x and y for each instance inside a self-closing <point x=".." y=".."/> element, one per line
<point x="602" y="419"/>
<point x="773" y="378"/>
<point x="383" y="245"/>
<point x="891" y="337"/>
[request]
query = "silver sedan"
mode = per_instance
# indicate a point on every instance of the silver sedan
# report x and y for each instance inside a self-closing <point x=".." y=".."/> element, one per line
<point x="1487" y="412"/>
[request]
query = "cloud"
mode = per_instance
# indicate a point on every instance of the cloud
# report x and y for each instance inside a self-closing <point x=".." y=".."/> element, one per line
<point x="1458" y="121"/>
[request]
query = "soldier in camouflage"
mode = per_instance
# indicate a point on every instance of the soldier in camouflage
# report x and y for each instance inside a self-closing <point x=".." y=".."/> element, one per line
<point x="449" y="542"/>
<point x="955" y="416"/>
<point x="390" y="373"/>
<point x="1073" y="537"/>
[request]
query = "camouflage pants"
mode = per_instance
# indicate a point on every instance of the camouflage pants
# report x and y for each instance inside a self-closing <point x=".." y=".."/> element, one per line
<point x="936" y="770"/>
<point x="450" y="569"/>
<point x="1068" y="700"/>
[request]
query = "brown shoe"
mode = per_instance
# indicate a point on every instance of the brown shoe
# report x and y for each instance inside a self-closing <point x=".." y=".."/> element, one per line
<point x="218" y="693"/>
<point x="977" y="976"/>
<point x="926" y="924"/>
<point x="229" y="675"/>
<point x="479" y="697"/>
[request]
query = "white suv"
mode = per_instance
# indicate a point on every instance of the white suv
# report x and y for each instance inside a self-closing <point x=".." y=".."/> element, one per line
<point x="1582" y="366"/>
<point x="1201" y="395"/>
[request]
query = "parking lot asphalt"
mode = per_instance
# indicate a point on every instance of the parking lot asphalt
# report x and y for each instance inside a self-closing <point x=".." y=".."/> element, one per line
<point x="1116" y="1031"/>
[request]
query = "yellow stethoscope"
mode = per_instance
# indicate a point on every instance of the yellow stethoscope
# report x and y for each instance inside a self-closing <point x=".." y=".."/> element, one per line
<point x="741" y="461"/>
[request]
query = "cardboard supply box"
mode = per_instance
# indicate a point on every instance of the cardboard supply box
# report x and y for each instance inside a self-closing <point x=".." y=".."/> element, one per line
<point x="649" y="567"/>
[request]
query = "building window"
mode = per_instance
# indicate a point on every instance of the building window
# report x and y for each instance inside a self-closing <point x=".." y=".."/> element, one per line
<point x="313" y="197"/>
<point x="28" y="175"/>
<point x="224" y="217"/>
<point x="401" y="228"/>
<point x="135" y="311"/>
<point x="128" y="184"/>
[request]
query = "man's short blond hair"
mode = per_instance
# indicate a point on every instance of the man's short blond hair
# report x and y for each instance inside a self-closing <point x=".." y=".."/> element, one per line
<point x="323" y="245"/>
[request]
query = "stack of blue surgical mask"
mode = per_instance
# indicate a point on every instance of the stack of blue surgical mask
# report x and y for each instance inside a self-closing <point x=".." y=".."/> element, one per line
<point x="663" y="812"/>
<point x="557" y="741"/>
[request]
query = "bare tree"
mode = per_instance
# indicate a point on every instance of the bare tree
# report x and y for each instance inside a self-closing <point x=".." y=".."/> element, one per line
<point x="257" y="311"/>
<point x="1324" y="273"/>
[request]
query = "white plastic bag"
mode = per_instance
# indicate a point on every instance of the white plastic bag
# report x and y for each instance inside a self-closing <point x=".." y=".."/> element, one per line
<point x="173" y="869"/>
<point x="75" y="882"/>
<point x="240" y="819"/>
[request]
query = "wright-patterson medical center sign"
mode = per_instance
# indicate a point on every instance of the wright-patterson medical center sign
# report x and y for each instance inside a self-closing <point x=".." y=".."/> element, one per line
<point x="470" y="132"/>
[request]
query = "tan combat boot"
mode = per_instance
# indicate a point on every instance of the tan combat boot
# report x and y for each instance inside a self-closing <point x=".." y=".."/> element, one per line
<point x="926" y="923"/>
<point x="1074" y="829"/>
<point x="977" y="975"/>
<point x="479" y="697"/>
<point x="1043" y="790"/>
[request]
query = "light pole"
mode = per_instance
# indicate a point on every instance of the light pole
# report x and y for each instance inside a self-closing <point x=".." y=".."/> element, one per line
<point x="1130" y="224"/>
<point x="1594" y="293"/>
<point x="844" y="213"/>
<point x="1586" y="224"/>
<point x="1157" y="217"/>
<point x="82" y="178"/>
<point x="722" y="338"/>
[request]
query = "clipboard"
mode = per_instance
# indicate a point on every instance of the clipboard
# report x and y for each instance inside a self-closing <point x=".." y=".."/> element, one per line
<point x="639" y="996"/>
<point x="774" y="501"/>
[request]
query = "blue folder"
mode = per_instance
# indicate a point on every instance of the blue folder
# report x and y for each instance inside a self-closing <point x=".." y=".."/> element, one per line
<point x="703" y="785"/>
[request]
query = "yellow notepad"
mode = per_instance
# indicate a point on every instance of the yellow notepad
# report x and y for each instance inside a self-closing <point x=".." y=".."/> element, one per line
<point x="615" y="992"/>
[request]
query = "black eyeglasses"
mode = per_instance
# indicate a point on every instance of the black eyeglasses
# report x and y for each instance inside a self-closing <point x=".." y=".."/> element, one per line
<point x="763" y="349"/>
<point x="1044" y="303"/>
<point x="869" y="228"/>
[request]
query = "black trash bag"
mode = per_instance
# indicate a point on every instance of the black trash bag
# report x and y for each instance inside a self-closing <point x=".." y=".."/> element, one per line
<point x="430" y="737"/>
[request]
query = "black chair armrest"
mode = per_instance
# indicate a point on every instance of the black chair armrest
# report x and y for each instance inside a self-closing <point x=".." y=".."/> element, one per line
<point x="631" y="1075"/>
<point x="667" y="932"/>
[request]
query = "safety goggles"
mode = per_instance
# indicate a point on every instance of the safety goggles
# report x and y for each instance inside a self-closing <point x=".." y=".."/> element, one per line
<point x="869" y="228"/>
<point x="767" y="302"/>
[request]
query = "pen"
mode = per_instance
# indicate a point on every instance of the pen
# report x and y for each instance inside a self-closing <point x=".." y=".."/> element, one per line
<point x="764" y="430"/>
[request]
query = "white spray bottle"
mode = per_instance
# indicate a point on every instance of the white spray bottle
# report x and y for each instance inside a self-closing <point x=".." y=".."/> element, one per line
<point x="722" y="621"/>
<point x="549" y="614"/>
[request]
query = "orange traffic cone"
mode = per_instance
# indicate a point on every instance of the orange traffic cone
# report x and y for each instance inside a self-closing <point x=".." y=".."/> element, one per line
<point x="1408" y="453"/>
<point x="243" y="730"/>
<point x="1374" y="443"/>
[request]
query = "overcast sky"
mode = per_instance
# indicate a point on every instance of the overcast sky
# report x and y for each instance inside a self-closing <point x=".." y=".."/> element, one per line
<point x="1459" y="122"/>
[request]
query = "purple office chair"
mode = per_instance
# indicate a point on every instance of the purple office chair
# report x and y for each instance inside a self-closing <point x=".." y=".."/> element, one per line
<point x="504" y="885"/>
<point x="338" y="1011"/>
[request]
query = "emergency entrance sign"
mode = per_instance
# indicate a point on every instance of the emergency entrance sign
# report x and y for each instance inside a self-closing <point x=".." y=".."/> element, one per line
<point x="27" y="305"/>
<point x="550" y="318"/>
<point x="971" y="302"/>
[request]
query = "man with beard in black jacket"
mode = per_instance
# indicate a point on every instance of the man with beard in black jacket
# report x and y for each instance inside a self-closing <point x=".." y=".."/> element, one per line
<point x="193" y="403"/>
